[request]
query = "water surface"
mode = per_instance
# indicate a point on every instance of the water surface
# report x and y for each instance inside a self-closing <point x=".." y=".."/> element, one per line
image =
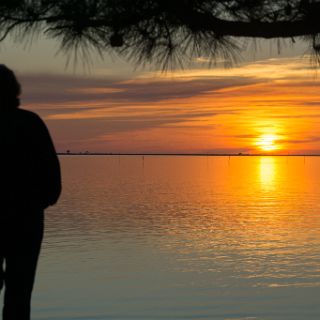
<point x="182" y="238"/>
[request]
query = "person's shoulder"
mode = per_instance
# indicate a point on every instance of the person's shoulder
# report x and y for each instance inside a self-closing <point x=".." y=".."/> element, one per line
<point x="27" y="114"/>
<point x="29" y="117"/>
<point x="30" y="122"/>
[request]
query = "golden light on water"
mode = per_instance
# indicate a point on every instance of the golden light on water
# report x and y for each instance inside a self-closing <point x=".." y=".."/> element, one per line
<point x="267" y="169"/>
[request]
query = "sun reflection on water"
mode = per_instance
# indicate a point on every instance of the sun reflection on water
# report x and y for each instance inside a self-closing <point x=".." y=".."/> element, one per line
<point x="184" y="233"/>
<point x="267" y="169"/>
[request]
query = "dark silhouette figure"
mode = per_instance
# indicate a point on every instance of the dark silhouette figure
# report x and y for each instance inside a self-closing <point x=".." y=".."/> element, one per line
<point x="30" y="182"/>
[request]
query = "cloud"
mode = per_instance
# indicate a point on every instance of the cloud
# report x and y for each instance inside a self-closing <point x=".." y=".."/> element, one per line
<point x="50" y="89"/>
<point x="302" y="140"/>
<point x="297" y="116"/>
<point x="217" y="109"/>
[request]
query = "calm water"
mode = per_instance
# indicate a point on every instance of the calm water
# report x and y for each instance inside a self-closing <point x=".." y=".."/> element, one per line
<point x="183" y="238"/>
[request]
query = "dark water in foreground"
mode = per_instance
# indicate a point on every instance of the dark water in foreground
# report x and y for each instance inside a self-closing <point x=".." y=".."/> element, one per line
<point x="183" y="238"/>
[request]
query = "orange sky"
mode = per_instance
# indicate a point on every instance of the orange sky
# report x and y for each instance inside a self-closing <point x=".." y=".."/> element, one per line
<point x="270" y="106"/>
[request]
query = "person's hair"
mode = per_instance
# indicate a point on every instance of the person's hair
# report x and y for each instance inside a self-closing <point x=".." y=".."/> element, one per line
<point x="10" y="89"/>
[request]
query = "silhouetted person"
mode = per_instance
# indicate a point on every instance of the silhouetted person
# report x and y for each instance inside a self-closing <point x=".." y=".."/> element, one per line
<point x="30" y="182"/>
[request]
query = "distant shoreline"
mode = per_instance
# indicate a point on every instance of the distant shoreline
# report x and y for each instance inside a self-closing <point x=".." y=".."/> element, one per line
<point x="185" y="154"/>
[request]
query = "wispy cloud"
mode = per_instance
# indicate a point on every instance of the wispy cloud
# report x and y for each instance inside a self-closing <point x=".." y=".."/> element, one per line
<point x="196" y="110"/>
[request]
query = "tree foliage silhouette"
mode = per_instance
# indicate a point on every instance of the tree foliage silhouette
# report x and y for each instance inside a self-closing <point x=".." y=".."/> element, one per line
<point x="166" y="31"/>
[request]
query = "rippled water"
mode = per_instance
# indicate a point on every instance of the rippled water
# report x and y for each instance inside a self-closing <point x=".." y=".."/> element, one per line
<point x="183" y="238"/>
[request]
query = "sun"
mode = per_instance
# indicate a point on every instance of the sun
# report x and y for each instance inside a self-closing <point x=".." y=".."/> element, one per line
<point x="267" y="142"/>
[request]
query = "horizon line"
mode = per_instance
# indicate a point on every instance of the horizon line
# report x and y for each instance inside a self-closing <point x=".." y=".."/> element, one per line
<point x="186" y="154"/>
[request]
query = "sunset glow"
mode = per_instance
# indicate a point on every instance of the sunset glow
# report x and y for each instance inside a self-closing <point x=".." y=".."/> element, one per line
<point x="267" y="142"/>
<point x="160" y="160"/>
<point x="267" y="106"/>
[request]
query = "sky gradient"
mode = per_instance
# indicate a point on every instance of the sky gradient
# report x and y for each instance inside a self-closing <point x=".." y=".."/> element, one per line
<point x="266" y="104"/>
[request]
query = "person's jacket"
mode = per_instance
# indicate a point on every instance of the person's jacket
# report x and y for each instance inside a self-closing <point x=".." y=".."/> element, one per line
<point x="30" y="178"/>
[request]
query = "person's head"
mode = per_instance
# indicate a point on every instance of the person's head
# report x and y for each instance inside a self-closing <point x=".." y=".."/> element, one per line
<point x="10" y="89"/>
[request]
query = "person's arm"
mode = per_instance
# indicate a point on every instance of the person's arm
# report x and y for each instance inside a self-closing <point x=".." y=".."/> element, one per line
<point x="47" y="167"/>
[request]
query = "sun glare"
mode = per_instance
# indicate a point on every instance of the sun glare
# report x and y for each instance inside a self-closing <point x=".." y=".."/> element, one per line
<point x="267" y="142"/>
